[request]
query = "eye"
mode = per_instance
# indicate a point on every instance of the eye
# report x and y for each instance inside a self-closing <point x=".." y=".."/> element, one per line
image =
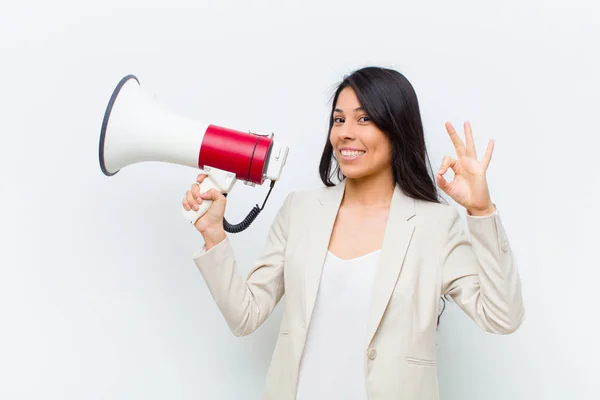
<point x="338" y="120"/>
<point x="364" y="118"/>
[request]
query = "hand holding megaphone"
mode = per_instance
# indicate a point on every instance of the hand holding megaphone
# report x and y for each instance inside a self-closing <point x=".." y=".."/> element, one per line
<point x="205" y="207"/>
<point x="211" y="178"/>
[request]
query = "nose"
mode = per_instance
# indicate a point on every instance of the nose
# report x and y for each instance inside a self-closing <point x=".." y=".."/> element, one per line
<point x="346" y="132"/>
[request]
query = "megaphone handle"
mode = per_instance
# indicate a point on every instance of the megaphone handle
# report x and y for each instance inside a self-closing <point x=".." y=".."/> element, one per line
<point x="193" y="215"/>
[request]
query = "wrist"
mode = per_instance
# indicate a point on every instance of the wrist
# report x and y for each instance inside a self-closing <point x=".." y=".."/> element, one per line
<point x="478" y="212"/>
<point x="213" y="237"/>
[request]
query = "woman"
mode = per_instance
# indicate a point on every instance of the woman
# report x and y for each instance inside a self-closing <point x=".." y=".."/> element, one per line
<point x="364" y="262"/>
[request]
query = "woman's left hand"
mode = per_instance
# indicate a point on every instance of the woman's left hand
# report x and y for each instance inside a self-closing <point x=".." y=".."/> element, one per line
<point x="469" y="187"/>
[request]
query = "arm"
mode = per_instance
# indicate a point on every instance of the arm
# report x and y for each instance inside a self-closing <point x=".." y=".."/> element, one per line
<point x="246" y="303"/>
<point x="481" y="275"/>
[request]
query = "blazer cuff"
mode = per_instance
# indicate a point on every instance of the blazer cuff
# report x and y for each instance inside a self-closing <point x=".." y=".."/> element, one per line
<point x="483" y="216"/>
<point x="203" y="250"/>
<point x="489" y="229"/>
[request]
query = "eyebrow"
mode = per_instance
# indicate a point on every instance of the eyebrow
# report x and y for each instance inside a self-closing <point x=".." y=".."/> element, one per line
<point x="342" y="111"/>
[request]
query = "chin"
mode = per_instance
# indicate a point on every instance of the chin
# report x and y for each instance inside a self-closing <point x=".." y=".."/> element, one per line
<point x="365" y="171"/>
<point x="354" y="173"/>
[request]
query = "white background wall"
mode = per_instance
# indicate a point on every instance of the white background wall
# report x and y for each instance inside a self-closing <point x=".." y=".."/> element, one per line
<point x="99" y="297"/>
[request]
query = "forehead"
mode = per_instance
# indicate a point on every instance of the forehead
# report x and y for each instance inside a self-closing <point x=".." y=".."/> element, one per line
<point x="347" y="100"/>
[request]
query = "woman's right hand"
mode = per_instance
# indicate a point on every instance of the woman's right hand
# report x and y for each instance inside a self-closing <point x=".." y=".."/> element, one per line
<point x="210" y="225"/>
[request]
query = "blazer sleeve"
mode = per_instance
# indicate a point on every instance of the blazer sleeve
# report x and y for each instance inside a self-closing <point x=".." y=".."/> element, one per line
<point x="247" y="302"/>
<point x="481" y="275"/>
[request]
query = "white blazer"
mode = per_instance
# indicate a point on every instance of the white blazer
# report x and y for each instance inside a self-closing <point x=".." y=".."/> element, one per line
<point x="426" y="253"/>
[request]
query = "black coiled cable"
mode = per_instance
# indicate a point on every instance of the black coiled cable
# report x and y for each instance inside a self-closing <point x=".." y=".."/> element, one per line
<point x="237" y="228"/>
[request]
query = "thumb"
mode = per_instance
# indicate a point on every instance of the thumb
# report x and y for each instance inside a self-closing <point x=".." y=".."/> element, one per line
<point x="212" y="194"/>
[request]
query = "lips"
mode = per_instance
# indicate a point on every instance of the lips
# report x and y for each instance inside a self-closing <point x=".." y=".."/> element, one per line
<point x="351" y="154"/>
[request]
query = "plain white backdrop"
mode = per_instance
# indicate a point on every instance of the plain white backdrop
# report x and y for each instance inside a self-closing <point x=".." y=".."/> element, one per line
<point x="99" y="296"/>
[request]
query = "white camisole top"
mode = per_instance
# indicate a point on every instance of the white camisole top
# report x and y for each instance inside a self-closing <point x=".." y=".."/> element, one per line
<point x="333" y="362"/>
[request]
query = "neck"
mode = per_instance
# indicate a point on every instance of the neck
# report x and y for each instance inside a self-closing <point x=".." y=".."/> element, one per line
<point x="369" y="191"/>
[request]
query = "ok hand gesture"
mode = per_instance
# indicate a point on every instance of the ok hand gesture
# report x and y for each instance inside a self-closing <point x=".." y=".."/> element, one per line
<point x="469" y="187"/>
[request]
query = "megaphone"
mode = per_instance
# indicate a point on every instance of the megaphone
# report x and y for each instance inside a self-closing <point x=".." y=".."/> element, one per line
<point x="137" y="128"/>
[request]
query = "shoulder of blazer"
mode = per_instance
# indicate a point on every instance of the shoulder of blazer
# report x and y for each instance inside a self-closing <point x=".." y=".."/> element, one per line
<point x="307" y="197"/>
<point x="303" y="203"/>
<point x="442" y="214"/>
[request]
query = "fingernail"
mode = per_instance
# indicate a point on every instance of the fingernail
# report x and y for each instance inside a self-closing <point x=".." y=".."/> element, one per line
<point x="199" y="199"/>
<point x="196" y="207"/>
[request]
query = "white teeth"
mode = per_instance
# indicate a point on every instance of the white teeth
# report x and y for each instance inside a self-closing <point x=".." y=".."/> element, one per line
<point x="350" y="153"/>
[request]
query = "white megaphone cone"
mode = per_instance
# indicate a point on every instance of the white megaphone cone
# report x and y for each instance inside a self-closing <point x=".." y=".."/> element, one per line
<point x="136" y="128"/>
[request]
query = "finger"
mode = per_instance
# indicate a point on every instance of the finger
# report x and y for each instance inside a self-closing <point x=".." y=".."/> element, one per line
<point x="191" y="200"/>
<point x="201" y="177"/>
<point x="447" y="162"/>
<point x="458" y="144"/>
<point x="187" y="204"/>
<point x="487" y="157"/>
<point x="442" y="183"/>
<point x="196" y="192"/>
<point x="471" y="151"/>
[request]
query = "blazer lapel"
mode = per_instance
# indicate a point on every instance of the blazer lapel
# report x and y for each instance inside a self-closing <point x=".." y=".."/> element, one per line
<point x="398" y="233"/>
<point x="319" y="233"/>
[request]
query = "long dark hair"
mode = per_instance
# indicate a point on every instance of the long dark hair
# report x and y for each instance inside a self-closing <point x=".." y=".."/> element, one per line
<point x="391" y="103"/>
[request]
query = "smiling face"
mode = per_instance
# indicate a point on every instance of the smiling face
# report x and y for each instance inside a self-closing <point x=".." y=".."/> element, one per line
<point x="361" y="148"/>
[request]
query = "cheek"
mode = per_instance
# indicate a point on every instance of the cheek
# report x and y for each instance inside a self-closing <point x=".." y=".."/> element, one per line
<point x="382" y="153"/>
<point x="382" y="156"/>
<point x="387" y="151"/>
<point x="379" y="144"/>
